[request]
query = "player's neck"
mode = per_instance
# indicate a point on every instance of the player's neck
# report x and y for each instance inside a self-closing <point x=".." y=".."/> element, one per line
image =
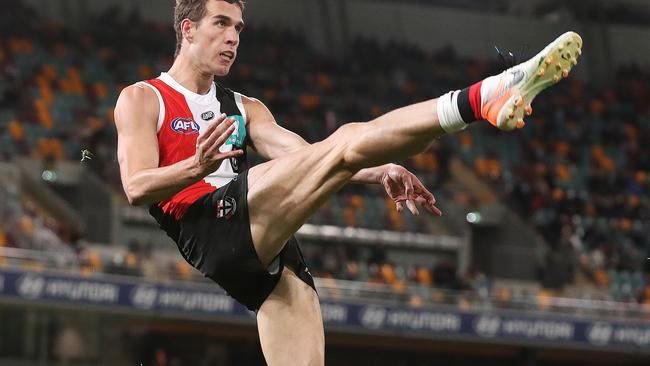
<point x="190" y="77"/>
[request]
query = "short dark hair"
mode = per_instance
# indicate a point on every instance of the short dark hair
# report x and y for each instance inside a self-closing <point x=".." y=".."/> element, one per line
<point x="193" y="10"/>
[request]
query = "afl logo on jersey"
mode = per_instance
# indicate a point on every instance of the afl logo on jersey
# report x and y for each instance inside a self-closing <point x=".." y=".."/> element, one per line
<point x="185" y="126"/>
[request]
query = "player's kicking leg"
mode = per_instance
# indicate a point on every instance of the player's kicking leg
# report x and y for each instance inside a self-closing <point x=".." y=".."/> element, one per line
<point x="284" y="192"/>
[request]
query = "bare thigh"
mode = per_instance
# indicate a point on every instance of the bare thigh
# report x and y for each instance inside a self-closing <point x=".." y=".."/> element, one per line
<point x="290" y="324"/>
<point x="284" y="192"/>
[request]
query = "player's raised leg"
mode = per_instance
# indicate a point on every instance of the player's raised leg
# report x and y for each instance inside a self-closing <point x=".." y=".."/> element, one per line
<point x="284" y="192"/>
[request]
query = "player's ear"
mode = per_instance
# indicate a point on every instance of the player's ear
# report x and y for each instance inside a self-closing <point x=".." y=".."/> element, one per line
<point x="187" y="29"/>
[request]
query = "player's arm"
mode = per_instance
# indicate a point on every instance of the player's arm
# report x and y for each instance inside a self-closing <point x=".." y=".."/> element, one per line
<point x="271" y="140"/>
<point x="136" y="116"/>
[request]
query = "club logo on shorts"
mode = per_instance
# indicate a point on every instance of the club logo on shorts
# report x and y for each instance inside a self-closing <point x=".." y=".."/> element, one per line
<point x="226" y="208"/>
<point x="185" y="126"/>
<point x="207" y="115"/>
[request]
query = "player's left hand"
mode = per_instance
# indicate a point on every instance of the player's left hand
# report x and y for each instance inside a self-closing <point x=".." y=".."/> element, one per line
<point x="403" y="187"/>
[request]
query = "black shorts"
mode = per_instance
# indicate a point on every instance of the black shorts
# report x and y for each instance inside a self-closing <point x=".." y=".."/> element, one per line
<point x="214" y="236"/>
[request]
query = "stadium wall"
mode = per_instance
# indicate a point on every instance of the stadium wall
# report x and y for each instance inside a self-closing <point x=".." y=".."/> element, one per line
<point x="140" y="299"/>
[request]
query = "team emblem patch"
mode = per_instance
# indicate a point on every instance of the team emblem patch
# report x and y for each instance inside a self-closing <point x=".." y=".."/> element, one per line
<point x="185" y="126"/>
<point x="206" y="116"/>
<point x="226" y="208"/>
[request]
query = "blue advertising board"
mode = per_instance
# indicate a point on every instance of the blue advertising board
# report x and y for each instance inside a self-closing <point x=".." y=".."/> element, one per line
<point x="192" y="300"/>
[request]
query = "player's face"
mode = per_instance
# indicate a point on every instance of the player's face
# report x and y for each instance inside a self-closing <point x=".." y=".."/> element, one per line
<point x="217" y="37"/>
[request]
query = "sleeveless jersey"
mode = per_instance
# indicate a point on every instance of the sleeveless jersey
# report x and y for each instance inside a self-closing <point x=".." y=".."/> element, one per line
<point x="183" y="117"/>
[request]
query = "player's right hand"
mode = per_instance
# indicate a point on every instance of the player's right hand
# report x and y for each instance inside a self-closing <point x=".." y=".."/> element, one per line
<point x="208" y="157"/>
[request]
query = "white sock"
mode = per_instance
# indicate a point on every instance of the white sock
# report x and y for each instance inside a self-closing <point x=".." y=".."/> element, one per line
<point x="448" y="113"/>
